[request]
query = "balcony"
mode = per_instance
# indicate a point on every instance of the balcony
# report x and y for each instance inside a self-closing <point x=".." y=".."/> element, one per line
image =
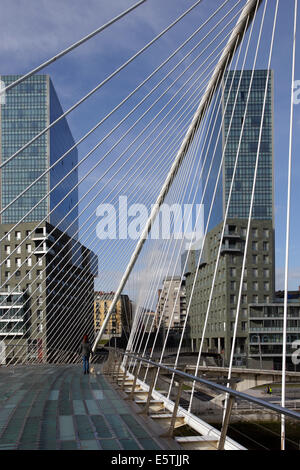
<point x="15" y="330"/>
<point x="232" y="247"/>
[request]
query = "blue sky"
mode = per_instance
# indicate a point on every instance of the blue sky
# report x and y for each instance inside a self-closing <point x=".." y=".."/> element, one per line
<point x="31" y="31"/>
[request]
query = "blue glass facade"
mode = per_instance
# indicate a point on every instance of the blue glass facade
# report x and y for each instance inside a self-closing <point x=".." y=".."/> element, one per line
<point x="241" y="195"/>
<point x="28" y="109"/>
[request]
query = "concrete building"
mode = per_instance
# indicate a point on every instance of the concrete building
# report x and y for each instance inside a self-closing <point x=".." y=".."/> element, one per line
<point x="120" y="321"/>
<point x="41" y="256"/>
<point x="258" y="283"/>
<point x="149" y="320"/>
<point x="171" y="305"/>
<point x="259" y="277"/>
<point x="265" y="326"/>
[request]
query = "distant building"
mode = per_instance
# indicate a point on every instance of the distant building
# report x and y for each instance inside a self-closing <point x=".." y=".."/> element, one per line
<point x="120" y="321"/>
<point x="266" y="338"/>
<point x="172" y="303"/>
<point x="57" y="285"/>
<point x="259" y="276"/>
<point x="43" y="257"/>
<point x="149" y="320"/>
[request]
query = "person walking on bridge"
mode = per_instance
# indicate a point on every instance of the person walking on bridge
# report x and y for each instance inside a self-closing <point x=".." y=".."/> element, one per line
<point x="85" y="349"/>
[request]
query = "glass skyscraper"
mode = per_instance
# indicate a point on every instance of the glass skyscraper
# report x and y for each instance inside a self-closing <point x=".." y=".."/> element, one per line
<point x="41" y="255"/>
<point x="241" y="195"/>
<point x="258" y="279"/>
<point x="29" y="108"/>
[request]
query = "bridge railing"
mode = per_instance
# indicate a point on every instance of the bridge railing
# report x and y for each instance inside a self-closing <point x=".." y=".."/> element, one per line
<point x="118" y="366"/>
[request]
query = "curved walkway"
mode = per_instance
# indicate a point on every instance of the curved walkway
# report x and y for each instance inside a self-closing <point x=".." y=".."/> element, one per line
<point x="59" y="408"/>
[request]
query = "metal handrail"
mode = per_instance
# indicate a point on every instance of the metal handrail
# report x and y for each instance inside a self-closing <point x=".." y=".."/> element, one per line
<point x="277" y="408"/>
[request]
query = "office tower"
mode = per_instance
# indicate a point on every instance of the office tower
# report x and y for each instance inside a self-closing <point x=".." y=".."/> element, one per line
<point x="259" y="276"/>
<point x="41" y="254"/>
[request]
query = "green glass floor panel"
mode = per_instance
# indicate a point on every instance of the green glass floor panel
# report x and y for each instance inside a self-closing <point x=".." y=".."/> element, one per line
<point x="149" y="444"/>
<point x="99" y="394"/>
<point x="68" y="445"/>
<point x="92" y="406"/>
<point x="129" y="444"/>
<point x="109" y="444"/>
<point x="89" y="445"/>
<point x="84" y="428"/>
<point x="66" y="427"/>
<point x="53" y="395"/>
<point x="119" y="427"/>
<point x="79" y="408"/>
<point x="28" y="446"/>
<point x="31" y="431"/>
<point x="135" y="427"/>
<point x="101" y="427"/>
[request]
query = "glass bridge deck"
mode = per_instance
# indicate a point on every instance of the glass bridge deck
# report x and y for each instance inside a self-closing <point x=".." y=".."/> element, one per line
<point x="50" y="407"/>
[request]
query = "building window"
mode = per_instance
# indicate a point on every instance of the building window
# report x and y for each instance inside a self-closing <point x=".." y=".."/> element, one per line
<point x="255" y="285"/>
<point x="29" y="262"/>
<point x="244" y="325"/>
<point x="28" y="248"/>
<point x="266" y="246"/>
<point x="232" y="299"/>
<point x="233" y="285"/>
<point x="244" y="285"/>
<point x="254" y="246"/>
<point x="18" y="262"/>
<point x="244" y="299"/>
<point x="7" y="263"/>
<point x="254" y="232"/>
<point x="266" y="259"/>
<point x="7" y="249"/>
<point x="254" y="259"/>
<point x="243" y="231"/>
<point x="8" y="236"/>
<point x="18" y="235"/>
<point x="266" y="286"/>
<point x="266" y="233"/>
<point x="255" y="299"/>
<point x="266" y="273"/>
<point x="232" y="272"/>
<point x="255" y="272"/>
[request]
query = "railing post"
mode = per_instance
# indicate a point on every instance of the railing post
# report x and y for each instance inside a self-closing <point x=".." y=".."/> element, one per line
<point x="107" y="366"/>
<point x="145" y="410"/>
<point x="230" y="403"/>
<point x="113" y="375"/>
<point x="124" y="377"/>
<point x="119" y="367"/>
<point x="131" y="396"/>
<point x="170" y="431"/>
